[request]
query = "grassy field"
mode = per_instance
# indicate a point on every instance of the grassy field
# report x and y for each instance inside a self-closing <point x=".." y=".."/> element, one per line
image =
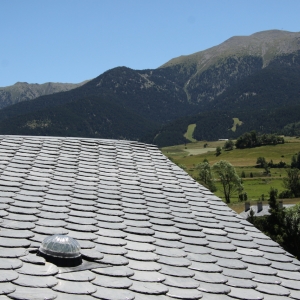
<point x="255" y="187"/>
<point x="189" y="133"/>
<point x="182" y="151"/>
<point x="236" y="122"/>
<point x="194" y="153"/>
<point x="244" y="160"/>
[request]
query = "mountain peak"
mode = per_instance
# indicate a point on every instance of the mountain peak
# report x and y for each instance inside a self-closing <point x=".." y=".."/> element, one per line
<point x="21" y="83"/>
<point x="275" y="33"/>
<point x="22" y="91"/>
<point x="265" y="44"/>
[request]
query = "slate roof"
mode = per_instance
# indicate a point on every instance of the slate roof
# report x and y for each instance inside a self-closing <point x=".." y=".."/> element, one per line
<point x="147" y="230"/>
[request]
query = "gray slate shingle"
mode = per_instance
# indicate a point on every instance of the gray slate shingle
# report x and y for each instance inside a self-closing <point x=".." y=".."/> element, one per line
<point x="147" y="230"/>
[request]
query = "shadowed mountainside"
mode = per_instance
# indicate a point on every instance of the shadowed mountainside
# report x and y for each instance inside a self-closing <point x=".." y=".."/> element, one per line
<point x="243" y="74"/>
<point x="266" y="102"/>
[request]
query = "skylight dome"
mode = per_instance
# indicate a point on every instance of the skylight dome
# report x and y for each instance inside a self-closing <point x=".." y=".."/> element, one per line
<point x="61" y="250"/>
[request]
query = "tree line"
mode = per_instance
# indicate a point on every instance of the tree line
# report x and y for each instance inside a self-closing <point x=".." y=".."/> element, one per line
<point x="252" y="139"/>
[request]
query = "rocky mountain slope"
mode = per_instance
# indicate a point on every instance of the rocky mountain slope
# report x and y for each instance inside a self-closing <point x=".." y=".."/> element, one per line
<point x="213" y="79"/>
<point x="23" y="91"/>
<point x="215" y="69"/>
<point x="266" y="101"/>
<point x="156" y="95"/>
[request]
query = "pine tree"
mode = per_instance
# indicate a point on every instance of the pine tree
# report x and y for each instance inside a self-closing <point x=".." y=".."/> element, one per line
<point x="276" y="218"/>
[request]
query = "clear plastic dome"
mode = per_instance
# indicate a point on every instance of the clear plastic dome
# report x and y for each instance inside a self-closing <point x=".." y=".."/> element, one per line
<point x="61" y="246"/>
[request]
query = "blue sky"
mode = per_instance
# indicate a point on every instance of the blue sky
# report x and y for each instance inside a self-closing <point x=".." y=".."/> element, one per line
<point x="72" y="40"/>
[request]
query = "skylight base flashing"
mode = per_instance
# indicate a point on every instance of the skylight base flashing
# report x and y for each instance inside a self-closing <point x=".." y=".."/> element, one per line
<point x="62" y="262"/>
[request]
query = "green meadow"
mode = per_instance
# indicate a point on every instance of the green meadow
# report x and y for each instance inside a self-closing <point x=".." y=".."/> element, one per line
<point x="236" y="122"/>
<point x="189" y="133"/>
<point x="256" y="186"/>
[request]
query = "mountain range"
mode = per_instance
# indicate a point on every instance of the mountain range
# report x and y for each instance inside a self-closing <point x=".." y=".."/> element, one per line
<point x="254" y="78"/>
<point x="23" y="91"/>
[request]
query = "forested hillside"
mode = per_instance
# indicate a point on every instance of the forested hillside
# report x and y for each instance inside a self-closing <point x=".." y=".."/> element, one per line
<point x="268" y="102"/>
<point x="254" y="78"/>
<point x="91" y="117"/>
<point x="152" y="94"/>
<point x="274" y="86"/>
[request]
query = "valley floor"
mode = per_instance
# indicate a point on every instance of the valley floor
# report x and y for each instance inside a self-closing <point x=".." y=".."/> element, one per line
<point x="256" y="184"/>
